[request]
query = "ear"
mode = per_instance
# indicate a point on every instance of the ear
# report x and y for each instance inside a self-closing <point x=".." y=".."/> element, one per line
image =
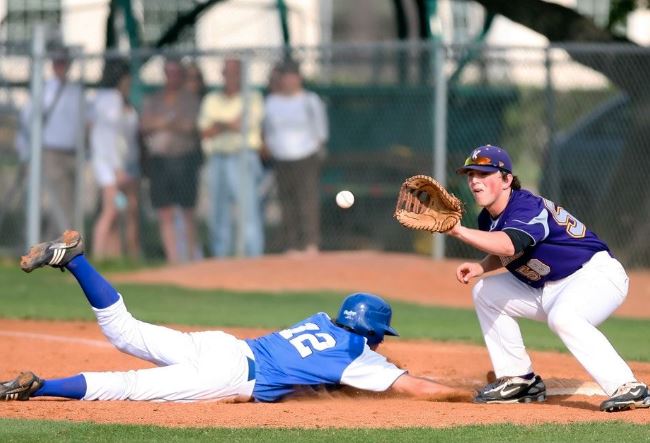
<point x="507" y="181"/>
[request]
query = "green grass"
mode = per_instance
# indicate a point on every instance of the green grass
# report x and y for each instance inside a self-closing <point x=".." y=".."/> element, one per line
<point x="37" y="431"/>
<point x="54" y="296"/>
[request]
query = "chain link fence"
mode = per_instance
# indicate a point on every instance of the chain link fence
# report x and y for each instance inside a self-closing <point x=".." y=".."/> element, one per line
<point x="573" y="118"/>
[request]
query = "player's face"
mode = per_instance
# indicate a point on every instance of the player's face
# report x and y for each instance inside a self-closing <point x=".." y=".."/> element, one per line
<point x="486" y="187"/>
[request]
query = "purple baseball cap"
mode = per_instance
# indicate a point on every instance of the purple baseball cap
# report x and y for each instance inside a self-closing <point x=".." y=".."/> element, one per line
<point x="487" y="158"/>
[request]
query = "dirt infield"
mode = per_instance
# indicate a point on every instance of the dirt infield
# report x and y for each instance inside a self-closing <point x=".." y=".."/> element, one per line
<point x="54" y="349"/>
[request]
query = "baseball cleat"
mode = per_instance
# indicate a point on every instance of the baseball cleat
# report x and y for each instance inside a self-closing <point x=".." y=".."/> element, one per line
<point x="628" y="396"/>
<point x="20" y="388"/>
<point x="512" y="390"/>
<point x="57" y="253"/>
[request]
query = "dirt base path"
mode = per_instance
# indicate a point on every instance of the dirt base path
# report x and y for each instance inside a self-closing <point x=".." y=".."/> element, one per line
<point x="65" y="348"/>
<point x="395" y="276"/>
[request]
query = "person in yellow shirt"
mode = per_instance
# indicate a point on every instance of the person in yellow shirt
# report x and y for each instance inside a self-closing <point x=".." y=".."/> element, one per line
<point x="230" y="125"/>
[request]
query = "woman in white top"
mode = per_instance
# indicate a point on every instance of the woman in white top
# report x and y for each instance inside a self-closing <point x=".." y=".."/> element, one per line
<point x="295" y="131"/>
<point x="115" y="160"/>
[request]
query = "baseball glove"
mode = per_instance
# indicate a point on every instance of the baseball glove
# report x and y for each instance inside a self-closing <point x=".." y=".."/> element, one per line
<point x="425" y="204"/>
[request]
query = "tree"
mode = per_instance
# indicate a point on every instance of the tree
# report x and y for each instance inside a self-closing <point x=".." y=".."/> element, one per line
<point x="628" y="66"/>
<point x="185" y="20"/>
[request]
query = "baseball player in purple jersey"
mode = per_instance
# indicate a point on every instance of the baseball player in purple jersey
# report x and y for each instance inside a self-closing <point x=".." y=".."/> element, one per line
<point x="213" y="365"/>
<point x="559" y="272"/>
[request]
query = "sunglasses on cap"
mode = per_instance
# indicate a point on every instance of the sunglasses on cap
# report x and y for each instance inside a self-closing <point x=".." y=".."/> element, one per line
<point x="484" y="161"/>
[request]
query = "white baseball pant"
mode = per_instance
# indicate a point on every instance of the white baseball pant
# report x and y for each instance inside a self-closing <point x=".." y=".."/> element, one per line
<point x="573" y="307"/>
<point x="194" y="366"/>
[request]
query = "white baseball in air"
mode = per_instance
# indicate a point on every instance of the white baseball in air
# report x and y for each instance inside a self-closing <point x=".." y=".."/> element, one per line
<point x="344" y="199"/>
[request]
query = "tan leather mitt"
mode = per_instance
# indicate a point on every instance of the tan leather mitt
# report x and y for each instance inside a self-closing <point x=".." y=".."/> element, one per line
<point x="425" y="204"/>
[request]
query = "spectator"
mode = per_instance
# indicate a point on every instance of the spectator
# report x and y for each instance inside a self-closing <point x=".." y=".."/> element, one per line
<point x="169" y="129"/>
<point x="63" y="121"/>
<point x="234" y="166"/>
<point x="268" y="187"/>
<point x="115" y="159"/>
<point x="273" y="85"/>
<point x="195" y="84"/>
<point x="194" y="81"/>
<point x="295" y="132"/>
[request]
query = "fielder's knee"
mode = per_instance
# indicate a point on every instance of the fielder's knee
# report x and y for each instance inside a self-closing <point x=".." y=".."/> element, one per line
<point x="560" y="320"/>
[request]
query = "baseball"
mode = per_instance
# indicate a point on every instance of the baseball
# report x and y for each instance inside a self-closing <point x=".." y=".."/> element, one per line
<point x="344" y="199"/>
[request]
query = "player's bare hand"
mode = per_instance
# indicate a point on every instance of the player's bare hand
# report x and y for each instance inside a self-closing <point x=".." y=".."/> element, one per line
<point x="468" y="270"/>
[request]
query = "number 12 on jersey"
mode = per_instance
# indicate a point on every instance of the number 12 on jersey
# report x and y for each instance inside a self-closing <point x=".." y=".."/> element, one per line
<point x="307" y="342"/>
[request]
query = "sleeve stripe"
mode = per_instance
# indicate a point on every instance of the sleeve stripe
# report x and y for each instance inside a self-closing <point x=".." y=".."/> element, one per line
<point x="521" y="230"/>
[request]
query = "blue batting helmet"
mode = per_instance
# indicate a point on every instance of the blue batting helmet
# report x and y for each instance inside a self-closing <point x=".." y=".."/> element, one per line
<point x="367" y="315"/>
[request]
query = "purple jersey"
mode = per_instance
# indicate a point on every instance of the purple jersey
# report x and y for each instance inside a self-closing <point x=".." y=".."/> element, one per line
<point x="561" y="243"/>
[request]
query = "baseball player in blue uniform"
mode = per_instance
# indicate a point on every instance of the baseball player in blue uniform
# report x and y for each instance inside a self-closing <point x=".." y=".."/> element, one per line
<point x="559" y="272"/>
<point x="213" y="365"/>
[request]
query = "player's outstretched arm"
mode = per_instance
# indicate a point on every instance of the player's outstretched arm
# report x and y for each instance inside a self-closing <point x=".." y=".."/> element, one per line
<point x="495" y="243"/>
<point x="426" y="389"/>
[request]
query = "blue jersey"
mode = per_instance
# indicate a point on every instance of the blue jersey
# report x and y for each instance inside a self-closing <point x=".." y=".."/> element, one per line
<point x="316" y="352"/>
<point x="561" y="243"/>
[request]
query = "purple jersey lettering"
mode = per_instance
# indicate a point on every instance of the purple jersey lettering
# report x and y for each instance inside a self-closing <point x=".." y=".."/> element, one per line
<point x="561" y="243"/>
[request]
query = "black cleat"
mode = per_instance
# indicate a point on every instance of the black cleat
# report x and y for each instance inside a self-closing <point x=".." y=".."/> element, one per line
<point x="20" y="388"/>
<point x="57" y="253"/>
<point x="628" y="396"/>
<point x="512" y="390"/>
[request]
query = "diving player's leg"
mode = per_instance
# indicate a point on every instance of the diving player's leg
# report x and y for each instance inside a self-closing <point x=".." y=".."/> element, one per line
<point x="157" y="344"/>
<point x="220" y="371"/>
<point x="160" y="345"/>
<point x="70" y="387"/>
<point x="27" y="385"/>
<point x="577" y="305"/>
<point x="99" y="292"/>
<point x="179" y="382"/>
<point x="498" y="300"/>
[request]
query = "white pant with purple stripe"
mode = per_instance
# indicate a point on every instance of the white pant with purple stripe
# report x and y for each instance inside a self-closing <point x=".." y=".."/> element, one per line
<point x="573" y="307"/>
<point x="194" y="366"/>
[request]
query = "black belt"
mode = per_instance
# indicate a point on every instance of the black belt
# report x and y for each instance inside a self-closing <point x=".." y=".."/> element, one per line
<point x="251" y="368"/>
